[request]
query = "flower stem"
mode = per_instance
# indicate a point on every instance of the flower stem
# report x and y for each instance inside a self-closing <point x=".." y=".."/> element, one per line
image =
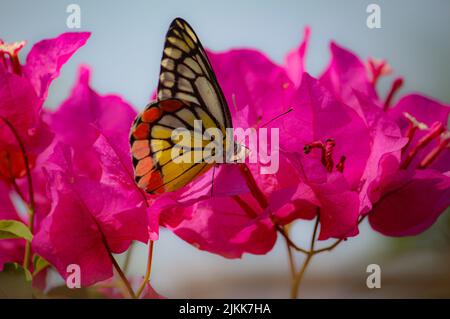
<point x="148" y="271"/>
<point x="298" y="278"/>
<point x="292" y="266"/>
<point x="126" y="263"/>
<point x="121" y="274"/>
<point x="114" y="261"/>
<point x="289" y="241"/>
<point x="31" y="205"/>
<point x="329" y="248"/>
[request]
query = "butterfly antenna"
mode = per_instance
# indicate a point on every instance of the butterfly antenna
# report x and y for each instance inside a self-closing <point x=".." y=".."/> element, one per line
<point x="277" y="117"/>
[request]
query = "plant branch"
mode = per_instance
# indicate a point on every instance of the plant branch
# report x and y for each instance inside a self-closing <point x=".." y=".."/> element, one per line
<point x="114" y="261"/>
<point x="127" y="260"/>
<point x="121" y="274"/>
<point x="148" y="271"/>
<point x="298" y="278"/>
<point x="31" y="205"/>
<point x="292" y="266"/>
<point x="289" y="241"/>
<point x="331" y="247"/>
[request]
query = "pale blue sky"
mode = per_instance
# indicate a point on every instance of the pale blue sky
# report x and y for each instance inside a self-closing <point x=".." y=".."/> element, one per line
<point x="127" y="36"/>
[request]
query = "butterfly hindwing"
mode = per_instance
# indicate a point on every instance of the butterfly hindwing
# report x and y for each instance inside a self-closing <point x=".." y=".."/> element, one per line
<point x="154" y="152"/>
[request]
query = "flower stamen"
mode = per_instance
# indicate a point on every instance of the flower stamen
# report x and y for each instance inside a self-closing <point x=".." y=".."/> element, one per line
<point x="444" y="142"/>
<point x="378" y="68"/>
<point x="340" y="166"/>
<point x="327" y="152"/>
<point x="11" y="50"/>
<point x="435" y="130"/>
<point x="396" y="85"/>
<point x="413" y="126"/>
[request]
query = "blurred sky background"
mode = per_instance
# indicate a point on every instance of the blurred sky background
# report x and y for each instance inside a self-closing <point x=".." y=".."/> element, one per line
<point x="124" y="52"/>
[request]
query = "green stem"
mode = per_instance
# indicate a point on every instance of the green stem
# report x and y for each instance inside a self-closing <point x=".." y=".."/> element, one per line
<point x="31" y="205"/>
<point x="298" y="278"/>
<point x="292" y="266"/>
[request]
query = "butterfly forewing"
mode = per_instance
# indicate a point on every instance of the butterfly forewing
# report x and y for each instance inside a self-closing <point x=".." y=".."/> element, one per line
<point x="186" y="74"/>
<point x="187" y="91"/>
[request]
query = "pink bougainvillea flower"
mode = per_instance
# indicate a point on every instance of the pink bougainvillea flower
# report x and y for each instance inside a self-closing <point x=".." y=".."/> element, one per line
<point x="409" y="202"/>
<point x="295" y="59"/>
<point x="250" y="80"/>
<point x="337" y="144"/>
<point x="97" y="128"/>
<point x="19" y="119"/>
<point x="85" y="116"/>
<point x="337" y="120"/>
<point x="419" y="181"/>
<point x="418" y="116"/>
<point x="192" y="212"/>
<point x="171" y="209"/>
<point x="238" y="223"/>
<point x="46" y="58"/>
<point x="23" y="90"/>
<point x="88" y="220"/>
<point x="313" y="119"/>
<point x="409" y="189"/>
<point x="223" y="226"/>
<point x="345" y="74"/>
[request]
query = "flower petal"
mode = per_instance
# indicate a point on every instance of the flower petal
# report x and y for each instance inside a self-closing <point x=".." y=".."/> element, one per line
<point x="106" y="215"/>
<point x="295" y="59"/>
<point x="48" y="56"/>
<point x="86" y="115"/>
<point x="318" y="116"/>
<point x="220" y="226"/>
<point x="346" y="73"/>
<point x="427" y="111"/>
<point x="249" y="78"/>
<point x="410" y="202"/>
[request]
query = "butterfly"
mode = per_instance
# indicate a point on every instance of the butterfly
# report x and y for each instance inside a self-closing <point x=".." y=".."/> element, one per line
<point x="187" y="92"/>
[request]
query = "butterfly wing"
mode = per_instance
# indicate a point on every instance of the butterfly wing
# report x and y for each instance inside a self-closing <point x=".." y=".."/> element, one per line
<point x="160" y="164"/>
<point x="187" y="91"/>
<point x="186" y="74"/>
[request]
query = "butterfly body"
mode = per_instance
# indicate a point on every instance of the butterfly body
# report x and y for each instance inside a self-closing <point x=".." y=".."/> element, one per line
<point x="189" y="100"/>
